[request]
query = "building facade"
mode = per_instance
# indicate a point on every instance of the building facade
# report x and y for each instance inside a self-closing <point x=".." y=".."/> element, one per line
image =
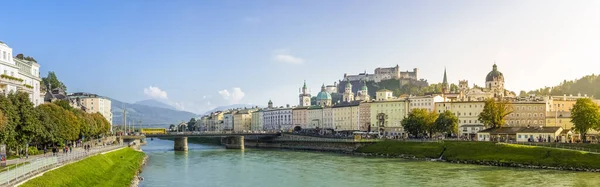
<point x="315" y="117"/>
<point x="257" y="121"/>
<point x="424" y="102"/>
<point x="387" y="115"/>
<point x="92" y="103"/>
<point x="228" y="121"/>
<point x="19" y="74"/>
<point x="527" y="113"/>
<point x="346" y="116"/>
<point x="242" y="120"/>
<point x="365" y="116"/>
<point x="468" y="116"/>
<point x="278" y="119"/>
<point x="300" y="116"/>
<point x="384" y="95"/>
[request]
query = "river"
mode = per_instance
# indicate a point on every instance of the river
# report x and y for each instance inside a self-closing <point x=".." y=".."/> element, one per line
<point x="210" y="165"/>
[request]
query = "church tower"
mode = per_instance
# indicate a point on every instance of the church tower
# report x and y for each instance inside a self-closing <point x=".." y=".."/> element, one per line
<point x="363" y="93"/>
<point x="445" y="83"/>
<point x="304" y="96"/>
<point x="348" y="95"/>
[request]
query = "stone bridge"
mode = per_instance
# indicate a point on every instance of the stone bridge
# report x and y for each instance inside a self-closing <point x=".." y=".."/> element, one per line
<point x="231" y="140"/>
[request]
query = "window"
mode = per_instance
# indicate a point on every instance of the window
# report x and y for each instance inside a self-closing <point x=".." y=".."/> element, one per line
<point x="519" y="136"/>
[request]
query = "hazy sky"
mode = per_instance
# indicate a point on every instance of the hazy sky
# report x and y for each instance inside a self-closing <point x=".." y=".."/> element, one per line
<point x="201" y="54"/>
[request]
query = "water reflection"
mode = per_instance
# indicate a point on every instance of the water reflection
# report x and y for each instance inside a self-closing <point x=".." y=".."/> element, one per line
<point x="210" y="165"/>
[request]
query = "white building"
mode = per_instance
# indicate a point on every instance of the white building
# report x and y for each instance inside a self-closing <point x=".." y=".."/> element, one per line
<point x="228" y="121"/>
<point x="19" y="75"/>
<point x="424" y="102"/>
<point x="257" y="120"/>
<point x="277" y="119"/>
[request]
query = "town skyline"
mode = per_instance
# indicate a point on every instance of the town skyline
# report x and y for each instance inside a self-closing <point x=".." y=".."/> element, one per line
<point x="171" y="52"/>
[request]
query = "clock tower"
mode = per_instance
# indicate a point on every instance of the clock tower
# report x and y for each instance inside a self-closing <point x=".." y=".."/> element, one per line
<point x="304" y="96"/>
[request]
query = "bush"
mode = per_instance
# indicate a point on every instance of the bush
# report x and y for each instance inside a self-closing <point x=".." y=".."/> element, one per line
<point x="33" y="151"/>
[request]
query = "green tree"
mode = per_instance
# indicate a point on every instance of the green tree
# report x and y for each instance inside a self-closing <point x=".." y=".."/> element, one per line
<point x="51" y="81"/>
<point x="64" y="104"/>
<point x="191" y="124"/>
<point x="494" y="113"/>
<point x="446" y="123"/>
<point x="102" y="124"/>
<point x="28" y="127"/>
<point x="7" y="132"/>
<point x="585" y="115"/>
<point x="419" y="121"/>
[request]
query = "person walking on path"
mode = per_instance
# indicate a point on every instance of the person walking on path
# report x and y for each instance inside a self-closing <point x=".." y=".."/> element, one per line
<point x="71" y="149"/>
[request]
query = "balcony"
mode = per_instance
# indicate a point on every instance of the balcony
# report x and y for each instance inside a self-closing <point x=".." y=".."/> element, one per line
<point x="10" y="80"/>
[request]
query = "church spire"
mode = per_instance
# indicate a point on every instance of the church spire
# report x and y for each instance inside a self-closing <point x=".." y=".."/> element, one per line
<point x="445" y="83"/>
<point x="445" y="77"/>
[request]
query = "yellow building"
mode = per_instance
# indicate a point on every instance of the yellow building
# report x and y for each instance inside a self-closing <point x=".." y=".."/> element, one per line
<point x="467" y="113"/>
<point x="364" y="115"/>
<point x="242" y="120"/>
<point x="328" y="118"/>
<point x="346" y="116"/>
<point x="300" y="117"/>
<point x="387" y="116"/>
<point x="527" y="113"/>
<point x="559" y="119"/>
<point x="215" y="121"/>
<point x="315" y="117"/>
<point x="383" y="95"/>
<point x="92" y="103"/>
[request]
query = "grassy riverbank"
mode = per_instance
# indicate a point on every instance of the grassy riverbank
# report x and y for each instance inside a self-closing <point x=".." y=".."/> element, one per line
<point x="112" y="169"/>
<point x="488" y="152"/>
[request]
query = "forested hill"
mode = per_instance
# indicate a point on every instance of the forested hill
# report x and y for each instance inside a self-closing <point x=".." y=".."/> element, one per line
<point x="589" y="84"/>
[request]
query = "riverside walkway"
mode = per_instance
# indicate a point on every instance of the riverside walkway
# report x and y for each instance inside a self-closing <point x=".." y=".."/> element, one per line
<point x="39" y="164"/>
<point x="562" y="146"/>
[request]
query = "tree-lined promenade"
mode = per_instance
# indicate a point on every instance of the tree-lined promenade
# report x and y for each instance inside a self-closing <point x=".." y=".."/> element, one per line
<point x="52" y="124"/>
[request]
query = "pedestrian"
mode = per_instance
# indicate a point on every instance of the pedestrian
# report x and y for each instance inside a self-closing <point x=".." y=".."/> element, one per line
<point x="45" y="151"/>
<point x="70" y="149"/>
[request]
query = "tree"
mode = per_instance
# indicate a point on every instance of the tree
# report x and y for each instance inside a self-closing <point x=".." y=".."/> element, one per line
<point x="28" y="126"/>
<point x="7" y="131"/>
<point x="494" y="113"/>
<point x="419" y="121"/>
<point x="447" y="122"/>
<point x="191" y="124"/>
<point x="64" y="104"/>
<point x="51" y="81"/>
<point x="585" y="115"/>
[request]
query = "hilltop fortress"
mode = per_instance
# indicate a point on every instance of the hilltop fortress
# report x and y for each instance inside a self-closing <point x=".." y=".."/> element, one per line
<point x="384" y="74"/>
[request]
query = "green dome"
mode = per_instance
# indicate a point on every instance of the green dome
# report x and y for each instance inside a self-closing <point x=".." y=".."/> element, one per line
<point x="494" y="74"/>
<point x="323" y="96"/>
<point x="364" y="87"/>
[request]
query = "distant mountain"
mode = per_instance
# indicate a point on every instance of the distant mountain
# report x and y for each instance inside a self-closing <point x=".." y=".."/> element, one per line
<point x="221" y="108"/>
<point x="148" y="115"/>
<point x="589" y="84"/>
<point x="155" y="103"/>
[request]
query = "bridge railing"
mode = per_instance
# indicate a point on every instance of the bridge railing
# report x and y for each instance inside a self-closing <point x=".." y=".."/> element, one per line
<point x="27" y="168"/>
<point x="218" y="133"/>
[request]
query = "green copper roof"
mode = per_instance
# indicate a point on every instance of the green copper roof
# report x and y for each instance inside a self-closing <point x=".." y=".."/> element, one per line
<point x="304" y="84"/>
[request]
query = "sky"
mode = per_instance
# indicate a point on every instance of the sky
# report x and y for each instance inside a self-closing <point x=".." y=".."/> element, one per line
<point x="197" y="55"/>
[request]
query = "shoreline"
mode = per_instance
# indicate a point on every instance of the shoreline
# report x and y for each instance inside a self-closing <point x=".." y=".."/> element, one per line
<point x="506" y="164"/>
<point x="137" y="178"/>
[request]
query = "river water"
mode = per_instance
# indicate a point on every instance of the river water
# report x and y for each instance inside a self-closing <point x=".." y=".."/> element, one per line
<point x="210" y="165"/>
